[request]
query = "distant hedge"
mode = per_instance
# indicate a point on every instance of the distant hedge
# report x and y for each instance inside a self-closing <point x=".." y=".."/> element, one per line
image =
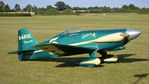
<point x="56" y="12"/>
<point x="15" y="14"/>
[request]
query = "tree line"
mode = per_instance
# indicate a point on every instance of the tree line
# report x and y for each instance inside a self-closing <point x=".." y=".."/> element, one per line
<point x="62" y="8"/>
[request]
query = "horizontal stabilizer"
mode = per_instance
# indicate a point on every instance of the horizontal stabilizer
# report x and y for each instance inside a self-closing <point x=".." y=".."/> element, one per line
<point x="13" y="52"/>
<point x="17" y="52"/>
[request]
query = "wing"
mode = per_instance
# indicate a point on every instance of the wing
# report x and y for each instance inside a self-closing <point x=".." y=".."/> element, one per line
<point x="63" y="50"/>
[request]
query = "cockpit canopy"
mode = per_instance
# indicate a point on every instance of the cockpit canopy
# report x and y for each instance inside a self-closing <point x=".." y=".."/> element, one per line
<point x="71" y="30"/>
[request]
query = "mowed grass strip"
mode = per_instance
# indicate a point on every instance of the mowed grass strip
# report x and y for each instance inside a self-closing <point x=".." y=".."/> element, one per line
<point x="132" y="67"/>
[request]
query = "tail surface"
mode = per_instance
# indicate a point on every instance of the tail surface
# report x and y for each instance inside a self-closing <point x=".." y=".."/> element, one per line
<point x="25" y="39"/>
<point x="25" y="43"/>
<point x="25" y="47"/>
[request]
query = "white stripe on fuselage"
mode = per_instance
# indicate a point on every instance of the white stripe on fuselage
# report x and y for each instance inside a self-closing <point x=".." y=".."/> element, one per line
<point x="81" y="43"/>
<point x="38" y="51"/>
<point x="115" y="37"/>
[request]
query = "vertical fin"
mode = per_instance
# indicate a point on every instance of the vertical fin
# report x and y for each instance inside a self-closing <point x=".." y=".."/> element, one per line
<point x="25" y="39"/>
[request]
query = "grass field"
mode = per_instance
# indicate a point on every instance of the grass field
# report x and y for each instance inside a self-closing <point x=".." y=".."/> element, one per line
<point x="132" y="67"/>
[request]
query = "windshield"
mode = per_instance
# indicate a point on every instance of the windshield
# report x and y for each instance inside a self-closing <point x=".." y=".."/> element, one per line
<point x="72" y="30"/>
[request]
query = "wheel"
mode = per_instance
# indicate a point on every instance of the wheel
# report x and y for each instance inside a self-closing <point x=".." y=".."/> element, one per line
<point x="111" y="59"/>
<point x="91" y="62"/>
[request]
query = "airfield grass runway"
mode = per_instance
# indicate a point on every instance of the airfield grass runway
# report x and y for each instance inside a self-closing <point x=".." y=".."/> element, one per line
<point x="132" y="67"/>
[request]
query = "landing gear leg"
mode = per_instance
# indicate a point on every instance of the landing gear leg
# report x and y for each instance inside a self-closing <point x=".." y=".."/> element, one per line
<point x="107" y="58"/>
<point x="92" y="61"/>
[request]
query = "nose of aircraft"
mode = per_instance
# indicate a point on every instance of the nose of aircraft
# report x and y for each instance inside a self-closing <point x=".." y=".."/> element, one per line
<point x="133" y="33"/>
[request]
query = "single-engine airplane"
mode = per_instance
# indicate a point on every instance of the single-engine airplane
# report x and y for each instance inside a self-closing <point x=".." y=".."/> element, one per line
<point x="74" y="41"/>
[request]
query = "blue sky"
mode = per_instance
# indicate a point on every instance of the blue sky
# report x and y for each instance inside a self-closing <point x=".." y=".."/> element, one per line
<point x="80" y="3"/>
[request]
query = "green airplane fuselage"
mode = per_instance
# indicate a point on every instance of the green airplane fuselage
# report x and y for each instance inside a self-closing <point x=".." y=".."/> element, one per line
<point x="74" y="41"/>
<point x="71" y="43"/>
<point x="80" y="39"/>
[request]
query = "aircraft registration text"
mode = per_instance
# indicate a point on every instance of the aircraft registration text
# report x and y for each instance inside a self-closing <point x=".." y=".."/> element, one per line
<point x="26" y="36"/>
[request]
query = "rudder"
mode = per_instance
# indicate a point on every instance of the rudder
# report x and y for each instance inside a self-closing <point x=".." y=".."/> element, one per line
<point x="25" y="39"/>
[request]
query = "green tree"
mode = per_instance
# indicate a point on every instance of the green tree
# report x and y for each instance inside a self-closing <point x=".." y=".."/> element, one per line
<point x="131" y="6"/>
<point x="17" y="7"/>
<point x="105" y="9"/>
<point x="35" y="9"/>
<point x="67" y="12"/>
<point x="67" y="7"/>
<point x="125" y="7"/>
<point x="49" y="7"/>
<point x="40" y="10"/>
<point x="51" y="12"/>
<point x="28" y="8"/>
<point x="76" y="8"/>
<point x="60" y="5"/>
<point x="2" y="6"/>
<point x="116" y="10"/>
<point x="7" y="8"/>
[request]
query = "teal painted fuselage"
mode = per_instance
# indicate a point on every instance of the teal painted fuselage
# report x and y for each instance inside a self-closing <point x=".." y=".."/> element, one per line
<point x="82" y="39"/>
<point x="72" y="42"/>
